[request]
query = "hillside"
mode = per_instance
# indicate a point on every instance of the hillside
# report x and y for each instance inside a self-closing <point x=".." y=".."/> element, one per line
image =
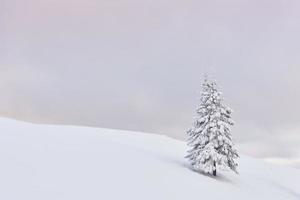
<point x="47" y="162"/>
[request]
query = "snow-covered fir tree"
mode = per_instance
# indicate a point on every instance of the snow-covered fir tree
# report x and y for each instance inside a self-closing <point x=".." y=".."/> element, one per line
<point x="210" y="139"/>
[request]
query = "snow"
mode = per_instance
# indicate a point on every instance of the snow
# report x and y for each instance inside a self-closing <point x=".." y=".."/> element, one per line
<point x="47" y="162"/>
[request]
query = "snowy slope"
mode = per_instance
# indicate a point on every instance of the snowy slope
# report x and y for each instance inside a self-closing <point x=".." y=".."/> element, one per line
<point x="45" y="162"/>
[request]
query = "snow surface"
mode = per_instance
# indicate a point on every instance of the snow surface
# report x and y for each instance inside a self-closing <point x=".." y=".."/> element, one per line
<point x="47" y="162"/>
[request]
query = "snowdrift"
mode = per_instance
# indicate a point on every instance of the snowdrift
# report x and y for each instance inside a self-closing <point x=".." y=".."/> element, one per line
<point x="47" y="162"/>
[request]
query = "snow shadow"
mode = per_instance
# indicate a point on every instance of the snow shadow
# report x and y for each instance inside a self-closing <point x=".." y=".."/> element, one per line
<point x="219" y="177"/>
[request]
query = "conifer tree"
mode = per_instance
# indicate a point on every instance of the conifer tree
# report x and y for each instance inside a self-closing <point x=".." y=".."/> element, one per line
<point x="210" y="139"/>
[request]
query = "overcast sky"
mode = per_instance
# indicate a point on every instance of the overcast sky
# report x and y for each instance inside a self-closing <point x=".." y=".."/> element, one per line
<point x="137" y="65"/>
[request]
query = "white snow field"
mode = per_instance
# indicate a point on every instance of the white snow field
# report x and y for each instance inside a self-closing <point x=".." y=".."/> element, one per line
<point x="49" y="162"/>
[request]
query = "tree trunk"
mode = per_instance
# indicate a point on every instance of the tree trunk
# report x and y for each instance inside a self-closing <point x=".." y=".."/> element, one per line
<point x="215" y="170"/>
